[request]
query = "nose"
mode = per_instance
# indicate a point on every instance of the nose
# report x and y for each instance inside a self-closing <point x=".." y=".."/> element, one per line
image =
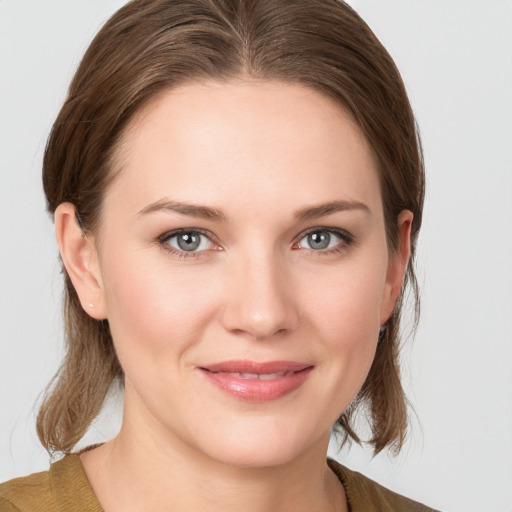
<point x="260" y="302"/>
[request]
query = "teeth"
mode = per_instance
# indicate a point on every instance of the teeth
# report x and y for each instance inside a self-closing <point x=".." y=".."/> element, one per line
<point x="270" y="376"/>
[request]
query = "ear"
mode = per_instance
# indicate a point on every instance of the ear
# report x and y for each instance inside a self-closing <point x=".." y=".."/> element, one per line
<point x="397" y="266"/>
<point x="78" y="253"/>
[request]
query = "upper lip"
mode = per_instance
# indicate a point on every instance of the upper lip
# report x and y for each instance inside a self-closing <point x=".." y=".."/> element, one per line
<point x="254" y="367"/>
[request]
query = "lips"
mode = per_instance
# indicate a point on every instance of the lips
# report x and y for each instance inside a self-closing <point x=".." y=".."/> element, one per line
<point x="261" y="376"/>
<point x="257" y="381"/>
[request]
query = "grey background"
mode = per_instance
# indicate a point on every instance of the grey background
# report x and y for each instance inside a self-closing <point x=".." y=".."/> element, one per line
<point x="456" y="60"/>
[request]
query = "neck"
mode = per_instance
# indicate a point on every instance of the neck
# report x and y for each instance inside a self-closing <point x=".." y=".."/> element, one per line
<point x="143" y="469"/>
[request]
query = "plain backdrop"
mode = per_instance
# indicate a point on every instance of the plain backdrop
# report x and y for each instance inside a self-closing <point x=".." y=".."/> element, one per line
<point x="456" y="60"/>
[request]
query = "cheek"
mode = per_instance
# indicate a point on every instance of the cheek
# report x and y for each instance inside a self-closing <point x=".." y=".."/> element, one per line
<point x="154" y="309"/>
<point x="344" y="312"/>
<point x="347" y="300"/>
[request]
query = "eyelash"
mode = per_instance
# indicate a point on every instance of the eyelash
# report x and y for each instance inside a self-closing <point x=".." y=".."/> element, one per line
<point x="347" y="240"/>
<point x="164" y="239"/>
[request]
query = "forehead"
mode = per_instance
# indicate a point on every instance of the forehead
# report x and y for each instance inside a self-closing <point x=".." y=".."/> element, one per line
<point x="266" y="139"/>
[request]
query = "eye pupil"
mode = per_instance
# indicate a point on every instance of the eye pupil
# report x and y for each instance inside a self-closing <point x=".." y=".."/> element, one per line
<point x="319" y="240"/>
<point x="189" y="241"/>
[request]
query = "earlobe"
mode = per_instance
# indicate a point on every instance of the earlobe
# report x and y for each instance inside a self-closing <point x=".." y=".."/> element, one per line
<point x="397" y="265"/>
<point x="78" y="253"/>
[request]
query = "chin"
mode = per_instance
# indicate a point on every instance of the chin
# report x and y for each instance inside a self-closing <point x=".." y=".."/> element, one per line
<point x="258" y="448"/>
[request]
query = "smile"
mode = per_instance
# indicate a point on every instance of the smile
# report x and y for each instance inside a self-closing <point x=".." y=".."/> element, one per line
<point x="261" y="376"/>
<point x="257" y="382"/>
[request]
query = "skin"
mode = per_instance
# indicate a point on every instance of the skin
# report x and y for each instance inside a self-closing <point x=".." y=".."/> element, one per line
<point x="255" y="289"/>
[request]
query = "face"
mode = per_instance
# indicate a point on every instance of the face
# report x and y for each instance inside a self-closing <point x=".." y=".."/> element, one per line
<point x="243" y="268"/>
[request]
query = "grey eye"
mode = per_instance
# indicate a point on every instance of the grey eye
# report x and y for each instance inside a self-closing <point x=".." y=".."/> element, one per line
<point x="189" y="241"/>
<point x="320" y="239"/>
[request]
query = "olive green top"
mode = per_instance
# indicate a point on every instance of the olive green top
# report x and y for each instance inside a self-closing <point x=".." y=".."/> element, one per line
<point x="65" y="488"/>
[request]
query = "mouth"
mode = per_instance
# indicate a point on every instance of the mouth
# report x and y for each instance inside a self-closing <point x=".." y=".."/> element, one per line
<point x="261" y="376"/>
<point x="256" y="381"/>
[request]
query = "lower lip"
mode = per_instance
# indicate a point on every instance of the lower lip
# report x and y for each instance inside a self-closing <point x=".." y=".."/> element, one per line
<point x="256" y="390"/>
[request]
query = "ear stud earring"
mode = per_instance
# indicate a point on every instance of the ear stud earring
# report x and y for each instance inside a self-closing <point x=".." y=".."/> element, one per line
<point x="91" y="305"/>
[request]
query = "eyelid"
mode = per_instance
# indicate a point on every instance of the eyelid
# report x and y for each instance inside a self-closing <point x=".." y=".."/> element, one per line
<point x="346" y="241"/>
<point x="345" y="235"/>
<point x="165" y="237"/>
<point x="169" y="234"/>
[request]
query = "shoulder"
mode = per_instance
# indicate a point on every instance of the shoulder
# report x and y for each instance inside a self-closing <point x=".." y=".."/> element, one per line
<point x="365" y="495"/>
<point x="28" y="493"/>
<point x="63" y="487"/>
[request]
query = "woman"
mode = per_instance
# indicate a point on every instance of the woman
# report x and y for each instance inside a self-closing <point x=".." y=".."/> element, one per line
<point x="237" y="191"/>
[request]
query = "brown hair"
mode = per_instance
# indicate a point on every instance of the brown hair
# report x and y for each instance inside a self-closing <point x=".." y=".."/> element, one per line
<point x="152" y="45"/>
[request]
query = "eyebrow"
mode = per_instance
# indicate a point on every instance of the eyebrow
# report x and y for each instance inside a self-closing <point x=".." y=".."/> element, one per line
<point x="206" y="212"/>
<point x="322" y="210"/>
<point x="193" y="210"/>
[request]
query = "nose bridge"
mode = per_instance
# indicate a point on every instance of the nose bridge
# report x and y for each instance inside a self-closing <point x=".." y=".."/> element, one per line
<point x="260" y="296"/>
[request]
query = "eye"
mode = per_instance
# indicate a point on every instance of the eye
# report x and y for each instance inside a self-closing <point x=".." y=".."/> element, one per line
<point x="325" y="240"/>
<point x="186" y="242"/>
